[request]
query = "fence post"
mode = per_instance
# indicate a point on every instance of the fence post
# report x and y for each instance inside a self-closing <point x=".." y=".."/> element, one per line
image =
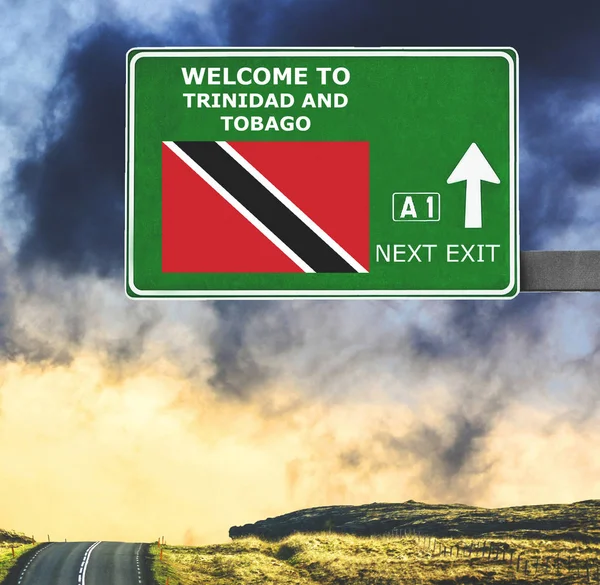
<point x="13" y="551"/>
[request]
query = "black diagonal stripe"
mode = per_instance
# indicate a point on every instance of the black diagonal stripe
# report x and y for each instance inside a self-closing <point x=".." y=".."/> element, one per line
<point x="261" y="203"/>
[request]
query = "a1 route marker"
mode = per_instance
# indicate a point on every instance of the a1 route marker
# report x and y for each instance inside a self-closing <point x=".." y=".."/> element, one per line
<point x="322" y="173"/>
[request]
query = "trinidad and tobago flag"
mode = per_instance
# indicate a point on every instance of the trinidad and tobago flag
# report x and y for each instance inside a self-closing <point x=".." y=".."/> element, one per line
<point x="265" y="207"/>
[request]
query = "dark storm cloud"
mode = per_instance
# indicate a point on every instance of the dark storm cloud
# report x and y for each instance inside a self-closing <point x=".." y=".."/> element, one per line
<point x="449" y="457"/>
<point x="72" y="187"/>
<point x="236" y="371"/>
<point x="131" y="347"/>
<point x="70" y="184"/>
<point x="247" y="332"/>
<point x="71" y="179"/>
<point x="477" y="328"/>
<point x="553" y="38"/>
<point x="450" y="452"/>
<point x="6" y="303"/>
<point x="563" y="160"/>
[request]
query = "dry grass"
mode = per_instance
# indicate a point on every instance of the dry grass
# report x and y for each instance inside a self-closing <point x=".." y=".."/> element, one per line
<point x="334" y="559"/>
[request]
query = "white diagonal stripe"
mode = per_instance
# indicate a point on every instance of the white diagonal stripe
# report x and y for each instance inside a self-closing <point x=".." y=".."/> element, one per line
<point x="239" y="207"/>
<point x="291" y="206"/>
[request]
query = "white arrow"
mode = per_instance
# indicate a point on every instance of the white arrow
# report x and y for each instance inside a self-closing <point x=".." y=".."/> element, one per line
<point x="473" y="168"/>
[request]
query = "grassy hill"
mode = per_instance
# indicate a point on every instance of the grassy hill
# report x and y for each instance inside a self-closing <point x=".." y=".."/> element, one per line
<point x="579" y="521"/>
<point x="9" y="542"/>
<point x="409" y="543"/>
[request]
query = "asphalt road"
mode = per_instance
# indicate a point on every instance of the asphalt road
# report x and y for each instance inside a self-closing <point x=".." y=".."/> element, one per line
<point x="84" y="563"/>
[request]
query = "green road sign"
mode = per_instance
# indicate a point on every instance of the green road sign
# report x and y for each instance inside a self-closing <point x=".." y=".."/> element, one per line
<point x="322" y="173"/>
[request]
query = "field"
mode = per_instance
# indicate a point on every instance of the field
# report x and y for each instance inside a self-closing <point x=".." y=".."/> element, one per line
<point x="535" y="544"/>
<point x="10" y="541"/>
<point x="333" y="559"/>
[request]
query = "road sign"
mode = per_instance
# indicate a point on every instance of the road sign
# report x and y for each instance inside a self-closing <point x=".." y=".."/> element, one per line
<point x="322" y="173"/>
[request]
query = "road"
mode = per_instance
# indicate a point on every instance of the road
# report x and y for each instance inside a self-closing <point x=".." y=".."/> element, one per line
<point x="84" y="563"/>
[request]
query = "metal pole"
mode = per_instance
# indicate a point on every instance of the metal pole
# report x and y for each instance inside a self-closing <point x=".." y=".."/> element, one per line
<point x="562" y="271"/>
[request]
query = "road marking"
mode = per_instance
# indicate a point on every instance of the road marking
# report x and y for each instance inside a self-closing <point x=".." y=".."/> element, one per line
<point x="137" y="562"/>
<point x="85" y="561"/>
<point x="22" y="574"/>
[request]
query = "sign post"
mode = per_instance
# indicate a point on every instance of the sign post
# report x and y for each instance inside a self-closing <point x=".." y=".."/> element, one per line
<point x="322" y="173"/>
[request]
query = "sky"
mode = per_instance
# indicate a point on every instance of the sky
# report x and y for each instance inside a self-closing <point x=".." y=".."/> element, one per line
<point x="126" y="420"/>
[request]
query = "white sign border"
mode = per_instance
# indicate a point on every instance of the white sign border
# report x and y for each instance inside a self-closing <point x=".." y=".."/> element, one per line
<point x="513" y="63"/>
